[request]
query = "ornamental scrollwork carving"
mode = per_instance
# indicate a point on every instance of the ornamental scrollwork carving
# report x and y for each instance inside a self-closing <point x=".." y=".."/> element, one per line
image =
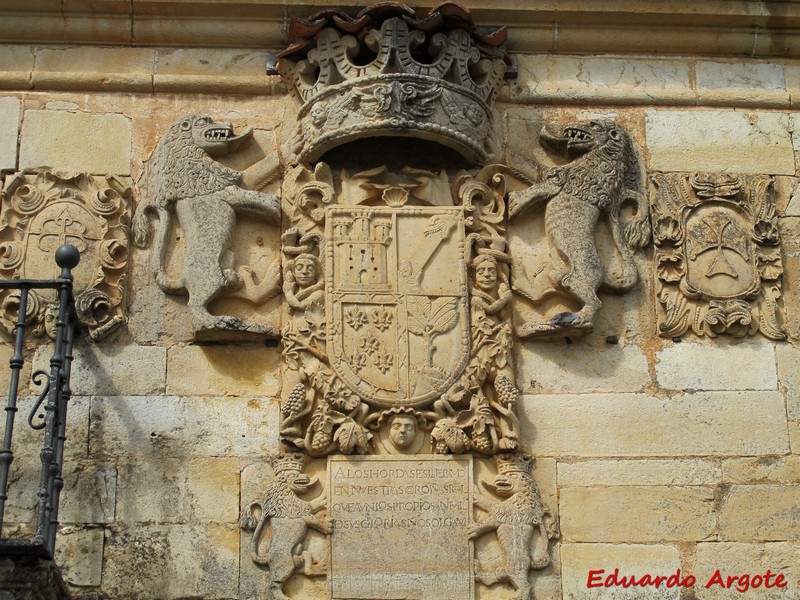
<point x="42" y="209"/>
<point x="718" y="260"/>
<point x="602" y="176"/>
<point x="182" y="180"/>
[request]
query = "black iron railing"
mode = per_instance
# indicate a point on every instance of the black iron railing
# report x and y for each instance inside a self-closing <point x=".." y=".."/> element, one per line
<point x="53" y="398"/>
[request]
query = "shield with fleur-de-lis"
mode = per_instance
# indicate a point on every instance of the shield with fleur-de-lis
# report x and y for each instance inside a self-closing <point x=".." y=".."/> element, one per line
<point x="398" y="327"/>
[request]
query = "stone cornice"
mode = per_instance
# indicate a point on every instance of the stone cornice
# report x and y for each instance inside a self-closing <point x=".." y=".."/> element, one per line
<point x="709" y="27"/>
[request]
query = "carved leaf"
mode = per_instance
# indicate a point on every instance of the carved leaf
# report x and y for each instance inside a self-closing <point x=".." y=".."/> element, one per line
<point x="351" y="436"/>
<point x="419" y="308"/>
<point x="443" y="314"/>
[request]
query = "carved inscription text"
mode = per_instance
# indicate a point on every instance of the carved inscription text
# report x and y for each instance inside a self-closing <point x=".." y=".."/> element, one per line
<point x="382" y="508"/>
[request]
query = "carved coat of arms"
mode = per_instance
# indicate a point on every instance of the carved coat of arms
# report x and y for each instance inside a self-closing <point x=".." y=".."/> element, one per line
<point x="398" y="331"/>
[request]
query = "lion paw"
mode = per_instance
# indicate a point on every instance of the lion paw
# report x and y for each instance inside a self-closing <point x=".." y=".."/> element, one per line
<point x="231" y="280"/>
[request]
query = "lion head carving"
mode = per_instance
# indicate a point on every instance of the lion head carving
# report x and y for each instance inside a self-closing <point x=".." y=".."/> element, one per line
<point x="181" y="165"/>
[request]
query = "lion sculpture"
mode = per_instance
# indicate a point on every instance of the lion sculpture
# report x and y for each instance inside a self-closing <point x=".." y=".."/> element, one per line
<point x="603" y="176"/>
<point x="182" y="177"/>
<point x="290" y="518"/>
<point x="516" y="520"/>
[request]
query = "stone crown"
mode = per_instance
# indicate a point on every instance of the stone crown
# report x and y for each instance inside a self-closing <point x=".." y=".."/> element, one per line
<point x="386" y="73"/>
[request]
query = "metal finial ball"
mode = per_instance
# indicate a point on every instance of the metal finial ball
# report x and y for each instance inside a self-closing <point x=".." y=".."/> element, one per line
<point x="67" y="256"/>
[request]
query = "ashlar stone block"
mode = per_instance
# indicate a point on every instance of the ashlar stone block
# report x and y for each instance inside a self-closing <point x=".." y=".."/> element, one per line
<point x="579" y="561"/>
<point x="9" y="130"/>
<point x="673" y="472"/>
<point x="733" y="83"/>
<point x="602" y="79"/>
<point x="788" y="358"/>
<point x="690" y="366"/>
<point x="764" y="469"/>
<point x="79" y="554"/>
<point x="178" y="490"/>
<point x="760" y="512"/>
<point x="561" y="368"/>
<point x="699" y="424"/>
<point x="753" y="559"/>
<point x="719" y="140"/>
<point x="168" y="426"/>
<point x="98" y="369"/>
<point x="637" y="514"/>
<point x="59" y="140"/>
<point x="241" y="370"/>
<point x="176" y="561"/>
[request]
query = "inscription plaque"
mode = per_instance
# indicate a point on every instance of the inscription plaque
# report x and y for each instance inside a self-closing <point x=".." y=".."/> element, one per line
<point x="400" y="528"/>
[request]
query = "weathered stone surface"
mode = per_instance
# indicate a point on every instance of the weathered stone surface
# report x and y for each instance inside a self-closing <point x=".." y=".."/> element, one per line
<point x="236" y="370"/>
<point x="734" y="83"/>
<point x="736" y="559"/>
<point x="58" y="139"/>
<point x="640" y="425"/>
<point x="79" y="554"/>
<point x="760" y="512"/>
<point x="637" y="514"/>
<point x="6" y="351"/>
<point x="105" y="370"/>
<point x="577" y="560"/>
<point x="717" y="140"/>
<point x="176" y="561"/>
<point x="677" y="472"/>
<point x="9" y="128"/>
<point x="690" y="366"/>
<point x="794" y="436"/>
<point x="94" y="68"/>
<point x="90" y="492"/>
<point x="16" y="64"/>
<point x="765" y="469"/>
<point x="576" y="369"/>
<point x="788" y="357"/>
<point x="169" y="426"/>
<point x="587" y="79"/>
<point x="433" y="508"/>
<point x="210" y="61"/>
<point x="26" y="574"/>
<point x="24" y="475"/>
<point x="178" y="490"/>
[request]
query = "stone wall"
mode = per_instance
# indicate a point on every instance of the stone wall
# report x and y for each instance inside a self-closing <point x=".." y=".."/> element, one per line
<point x="656" y="453"/>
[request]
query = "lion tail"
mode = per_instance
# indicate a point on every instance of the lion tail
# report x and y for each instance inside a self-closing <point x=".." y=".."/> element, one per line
<point x="249" y="522"/>
<point x="142" y="236"/>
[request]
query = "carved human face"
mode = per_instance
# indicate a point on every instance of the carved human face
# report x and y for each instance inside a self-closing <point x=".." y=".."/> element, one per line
<point x="403" y="431"/>
<point x="486" y="275"/>
<point x="305" y="272"/>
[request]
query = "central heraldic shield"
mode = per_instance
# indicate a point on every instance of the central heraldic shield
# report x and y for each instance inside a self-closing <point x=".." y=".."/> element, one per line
<point x="397" y="314"/>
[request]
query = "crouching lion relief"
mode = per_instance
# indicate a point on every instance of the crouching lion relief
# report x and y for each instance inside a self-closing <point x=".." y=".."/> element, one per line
<point x="600" y="180"/>
<point x="182" y="179"/>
